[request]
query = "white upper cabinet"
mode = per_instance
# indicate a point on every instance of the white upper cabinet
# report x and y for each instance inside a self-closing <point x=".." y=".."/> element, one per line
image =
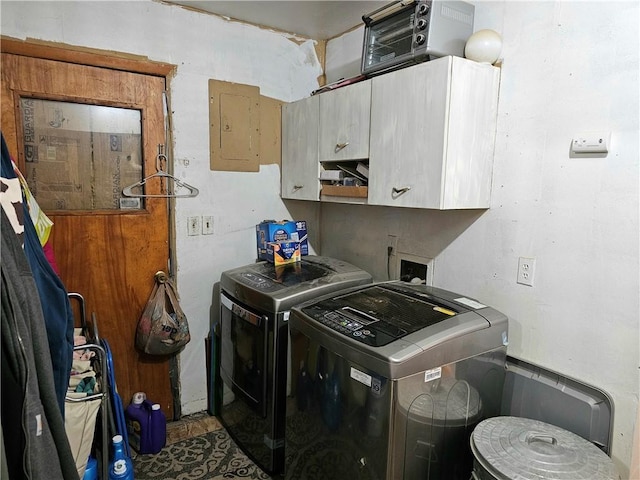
<point x="300" y="166"/>
<point x="425" y="132"/>
<point x="344" y="122"/>
<point x="432" y="135"/>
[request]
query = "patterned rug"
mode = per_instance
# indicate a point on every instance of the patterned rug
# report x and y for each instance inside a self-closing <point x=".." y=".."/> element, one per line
<point x="211" y="456"/>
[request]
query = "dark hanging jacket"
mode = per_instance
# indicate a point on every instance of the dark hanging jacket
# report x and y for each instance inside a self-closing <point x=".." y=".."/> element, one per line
<point x="36" y="445"/>
<point x="58" y="315"/>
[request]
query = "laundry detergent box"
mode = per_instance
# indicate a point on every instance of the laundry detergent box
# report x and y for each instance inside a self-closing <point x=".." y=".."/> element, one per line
<point x="282" y="253"/>
<point x="283" y="231"/>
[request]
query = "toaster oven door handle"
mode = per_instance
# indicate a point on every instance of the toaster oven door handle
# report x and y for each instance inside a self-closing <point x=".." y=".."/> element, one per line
<point x="241" y="312"/>
<point x="386" y="11"/>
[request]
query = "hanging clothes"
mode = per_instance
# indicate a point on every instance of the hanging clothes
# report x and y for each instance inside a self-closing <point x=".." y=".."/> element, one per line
<point x="41" y="221"/>
<point x="37" y="446"/>
<point x="58" y="315"/>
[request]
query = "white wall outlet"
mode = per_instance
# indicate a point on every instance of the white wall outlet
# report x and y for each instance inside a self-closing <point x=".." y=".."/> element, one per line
<point x="207" y="225"/>
<point x="193" y="225"/>
<point x="526" y="270"/>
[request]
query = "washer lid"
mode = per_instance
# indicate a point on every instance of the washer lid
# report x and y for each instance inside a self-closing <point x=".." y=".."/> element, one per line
<point x="532" y="391"/>
<point x="284" y="276"/>
<point x="518" y="448"/>
<point x="265" y="286"/>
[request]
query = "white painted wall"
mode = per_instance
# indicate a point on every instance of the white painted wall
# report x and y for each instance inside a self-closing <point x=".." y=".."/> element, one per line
<point x="203" y="47"/>
<point x="569" y="67"/>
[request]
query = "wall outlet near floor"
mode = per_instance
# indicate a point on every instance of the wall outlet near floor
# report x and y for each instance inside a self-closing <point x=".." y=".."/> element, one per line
<point x="193" y="225"/>
<point x="207" y="225"/>
<point x="526" y="271"/>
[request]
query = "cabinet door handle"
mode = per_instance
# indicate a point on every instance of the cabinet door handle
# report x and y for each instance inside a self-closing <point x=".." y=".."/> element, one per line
<point x="400" y="191"/>
<point x="340" y="146"/>
<point x="297" y="187"/>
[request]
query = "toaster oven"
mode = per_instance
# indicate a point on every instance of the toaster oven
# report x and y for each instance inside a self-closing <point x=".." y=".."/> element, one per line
<point x="412" y="31"/>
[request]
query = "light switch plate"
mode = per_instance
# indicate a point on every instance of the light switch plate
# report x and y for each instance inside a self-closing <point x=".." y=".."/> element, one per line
<point x="193" y="225"/>
<point x="207" y="225"/>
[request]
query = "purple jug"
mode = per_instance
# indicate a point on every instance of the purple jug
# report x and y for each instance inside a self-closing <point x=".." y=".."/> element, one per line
<point x="146" y="425"/>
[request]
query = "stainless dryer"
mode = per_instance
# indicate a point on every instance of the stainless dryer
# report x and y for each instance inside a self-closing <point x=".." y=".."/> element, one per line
<point x="255" y="300"/>
<point x="389" y="381"/>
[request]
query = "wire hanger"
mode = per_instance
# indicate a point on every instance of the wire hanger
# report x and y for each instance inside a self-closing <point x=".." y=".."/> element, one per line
<point x="191" y="190"/>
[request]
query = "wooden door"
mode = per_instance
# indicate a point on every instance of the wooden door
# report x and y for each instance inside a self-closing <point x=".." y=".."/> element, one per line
<point x="107" y="253"/>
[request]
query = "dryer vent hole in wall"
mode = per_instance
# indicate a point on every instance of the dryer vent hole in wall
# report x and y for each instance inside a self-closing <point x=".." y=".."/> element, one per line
<point x="413" y="272"/>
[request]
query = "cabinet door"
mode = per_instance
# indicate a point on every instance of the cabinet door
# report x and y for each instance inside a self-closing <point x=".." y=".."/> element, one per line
<point x="433" y="133"/>
<point x="409" y="123"/>
<point x="473" y="114"/>
<point x="300" y="165"/>
<point x="344" y="122"/>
